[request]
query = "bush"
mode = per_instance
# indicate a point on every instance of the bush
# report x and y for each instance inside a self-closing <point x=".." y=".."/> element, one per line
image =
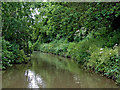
<point x="11" y="54"/>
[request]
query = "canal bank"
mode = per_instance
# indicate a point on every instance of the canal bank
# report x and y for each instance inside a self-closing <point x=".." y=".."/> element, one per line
<point x="105" y="61"/>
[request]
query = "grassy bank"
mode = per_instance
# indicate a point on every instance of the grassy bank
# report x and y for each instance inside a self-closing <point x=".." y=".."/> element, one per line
<point x="95" y="54"/>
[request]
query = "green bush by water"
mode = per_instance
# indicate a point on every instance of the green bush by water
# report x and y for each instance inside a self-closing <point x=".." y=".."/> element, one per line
<point x="11" y="54"/>
<point x="93" y="54"/>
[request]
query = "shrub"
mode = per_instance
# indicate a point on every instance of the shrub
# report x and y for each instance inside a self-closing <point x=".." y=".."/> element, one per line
<point x="11" y="54"/>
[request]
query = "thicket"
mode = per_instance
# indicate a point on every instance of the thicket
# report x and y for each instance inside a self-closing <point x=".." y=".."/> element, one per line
<point x="16" y="33"/>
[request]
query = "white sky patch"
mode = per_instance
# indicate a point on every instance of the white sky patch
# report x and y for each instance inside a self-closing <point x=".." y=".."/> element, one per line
<point x="44" y="0"/>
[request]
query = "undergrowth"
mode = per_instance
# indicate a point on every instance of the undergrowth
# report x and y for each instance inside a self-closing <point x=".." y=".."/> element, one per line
<point x="98" y="52"/>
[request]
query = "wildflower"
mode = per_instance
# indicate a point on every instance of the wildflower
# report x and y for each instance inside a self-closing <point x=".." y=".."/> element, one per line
<point x="110" y="53"/>
<point x="115" y="46"/>
<point x="44" y="16"/>
<point x="101" y="49"/>
<point x="77" y="30"/>
<point x="101" y="52"/>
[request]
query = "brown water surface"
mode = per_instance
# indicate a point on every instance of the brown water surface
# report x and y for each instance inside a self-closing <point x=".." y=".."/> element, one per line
<point x="51" y="71"/>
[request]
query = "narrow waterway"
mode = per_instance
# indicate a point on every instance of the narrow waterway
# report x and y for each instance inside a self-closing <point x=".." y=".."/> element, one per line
<point x="51" y="71"/>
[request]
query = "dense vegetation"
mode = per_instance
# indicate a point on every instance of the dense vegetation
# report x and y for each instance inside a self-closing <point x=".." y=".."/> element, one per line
<point x="86" y="32"/>
<point x="16" y="33"/>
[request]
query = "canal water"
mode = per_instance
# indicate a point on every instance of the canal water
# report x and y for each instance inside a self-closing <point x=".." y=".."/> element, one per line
<point x="51" y="71"/>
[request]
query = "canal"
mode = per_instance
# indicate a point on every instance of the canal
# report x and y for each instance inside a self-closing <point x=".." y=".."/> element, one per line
<point x="52" y="71"/>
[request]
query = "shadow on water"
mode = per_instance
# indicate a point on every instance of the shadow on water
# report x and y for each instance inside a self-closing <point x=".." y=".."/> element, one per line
<point x="50" y="71"/>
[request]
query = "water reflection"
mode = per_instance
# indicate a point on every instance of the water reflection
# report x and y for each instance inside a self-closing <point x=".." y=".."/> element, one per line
<point x="35" y="80"/>
<point x="50" y="71"/>
<point x="76" y="79"/>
